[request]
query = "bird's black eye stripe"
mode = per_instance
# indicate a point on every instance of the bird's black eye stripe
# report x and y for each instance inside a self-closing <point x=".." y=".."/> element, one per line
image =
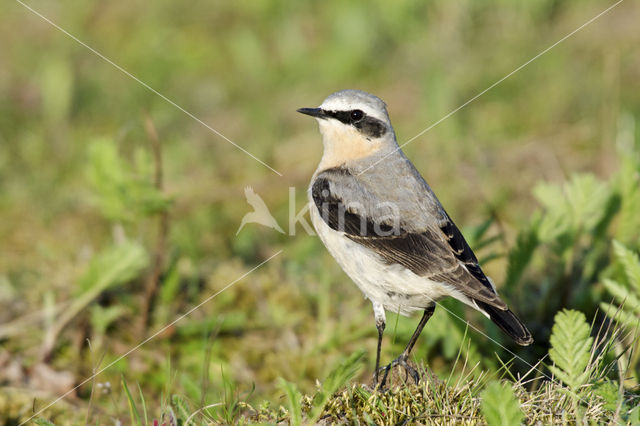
<point x="369" y="126"/>
<point x="347" y="117"/>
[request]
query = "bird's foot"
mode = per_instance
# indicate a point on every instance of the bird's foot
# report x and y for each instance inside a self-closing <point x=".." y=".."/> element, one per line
<point x="401" y="361"/>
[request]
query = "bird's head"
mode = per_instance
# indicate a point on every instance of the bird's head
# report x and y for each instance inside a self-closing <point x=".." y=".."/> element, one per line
<point x="354" y="125"/>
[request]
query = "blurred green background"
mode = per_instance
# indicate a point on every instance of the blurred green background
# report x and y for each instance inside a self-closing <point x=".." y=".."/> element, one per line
<point x="85" y="229"/>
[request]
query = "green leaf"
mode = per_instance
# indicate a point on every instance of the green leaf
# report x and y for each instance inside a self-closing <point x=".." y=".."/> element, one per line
<point x="500" y="407"/>
<point x="114" y="266"/>
<point x="588" y="198"/>
<point x="475" y="234"/>
<point x="630" y="262"/>
<point x="628" y="187"/>
<point x="521" y="254"/>
<point x="123" y="192"/>
<point x="633" y="417"/>
<point x="616" y="313"/>
<point x="101" y="317"/>
<point x="578" y="205"/>
<point x="557" y="218"/>
<point x="628" y="301"/>
<point x="627" y="296"/>
<point x="340" y="375"/>
<point x="609" y="392"/>
<point x="180" y="405"/>
<point x="294" y="397"/>
<point x="571" y="348"/>
<point x="144" y="405"/>
<point x="133" y="409"/>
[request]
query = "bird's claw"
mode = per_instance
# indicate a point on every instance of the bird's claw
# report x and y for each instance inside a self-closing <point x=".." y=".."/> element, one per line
<point x="402" y="361"/>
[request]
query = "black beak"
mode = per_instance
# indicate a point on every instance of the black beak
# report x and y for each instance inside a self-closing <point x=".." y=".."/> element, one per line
<point x="313" y="112"/>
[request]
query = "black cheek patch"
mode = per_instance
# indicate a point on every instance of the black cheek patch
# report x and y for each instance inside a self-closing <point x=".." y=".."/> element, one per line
<point x="371" y="127"/>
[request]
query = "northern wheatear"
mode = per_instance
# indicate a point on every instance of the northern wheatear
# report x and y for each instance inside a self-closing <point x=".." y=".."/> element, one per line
<point x="385" y="227"/>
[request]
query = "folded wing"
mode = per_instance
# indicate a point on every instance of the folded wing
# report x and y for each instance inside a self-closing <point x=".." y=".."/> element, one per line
<point x="438" y="251"/>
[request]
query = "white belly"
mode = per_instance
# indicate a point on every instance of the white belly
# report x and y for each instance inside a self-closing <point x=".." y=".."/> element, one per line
<point x="393" y="286"/>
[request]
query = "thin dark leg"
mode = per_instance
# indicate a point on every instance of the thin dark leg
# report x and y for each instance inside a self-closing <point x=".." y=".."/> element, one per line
<point x="380" y="327"/>
<point x="423" y="321"/>
<point x="404" y="356"/>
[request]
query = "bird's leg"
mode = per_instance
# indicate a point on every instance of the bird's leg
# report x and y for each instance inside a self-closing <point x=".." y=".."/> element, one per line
<point x="404" y="356"/>
<point x="378" y="311"/>
<point x="423" y="321"/>
<point x="380" y="327"/>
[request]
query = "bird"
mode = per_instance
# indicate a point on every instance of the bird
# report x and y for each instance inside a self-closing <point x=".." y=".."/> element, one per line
<point x="260" y="213"/>
<point x="385" y="227"/>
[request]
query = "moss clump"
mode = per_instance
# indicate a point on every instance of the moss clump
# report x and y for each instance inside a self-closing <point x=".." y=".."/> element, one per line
<point x="430" y="401"/>
<point x="434" y="401"/>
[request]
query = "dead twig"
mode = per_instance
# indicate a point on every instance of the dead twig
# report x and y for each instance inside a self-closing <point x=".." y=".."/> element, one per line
<point x="153" y="280"/>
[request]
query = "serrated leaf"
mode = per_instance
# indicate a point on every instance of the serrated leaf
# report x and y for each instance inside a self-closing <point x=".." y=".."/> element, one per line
<point x="123" y="192"/>
<point x="628" y="186"/>
<point x="616" y="313"/>
<point x="113" y="266"/>
<point x="500" y="406"/>
<point x="557" y="218"/>
<point x="628" y="301"/>
<point x="577" y="205"/>
<point x="587" y="197"/>
<point x="181" y="406"/>
<point x="627" y="296"/>
<point x="570" y="348"/>
<point x="609" y="392"/>
<point x="630" y="262"/>
<point x="549" y="195"/>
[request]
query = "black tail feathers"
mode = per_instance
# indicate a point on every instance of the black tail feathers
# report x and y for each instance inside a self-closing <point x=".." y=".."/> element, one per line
<point x="508" y="322"/>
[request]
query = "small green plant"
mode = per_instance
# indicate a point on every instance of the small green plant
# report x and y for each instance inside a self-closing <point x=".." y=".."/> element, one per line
<point x="567" y="248"/>
<point x="571" y="352"/>
<point x="500" y="407"/>
<point x="181" y="408"/>
<point x="626" y="293"/>
<point x="569" y="233"/>
<point x="230" y="410"/>
<point x="294" y="398"/>
<point x="124" y="192"/>
<point x="571" y="349"/>
<point x="340" y="375"/>
<point x="134" y="414"/>
<point x="114" y="266"/>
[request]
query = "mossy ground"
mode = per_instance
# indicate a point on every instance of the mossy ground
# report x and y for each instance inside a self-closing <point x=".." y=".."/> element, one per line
<point x="434" y="401"/>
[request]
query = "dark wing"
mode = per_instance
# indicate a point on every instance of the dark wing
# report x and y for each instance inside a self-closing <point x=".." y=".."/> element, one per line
<point x="438" y="252"/>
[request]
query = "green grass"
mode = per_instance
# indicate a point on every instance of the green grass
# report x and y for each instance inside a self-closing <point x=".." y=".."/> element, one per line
<point x="119" y="212"/>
